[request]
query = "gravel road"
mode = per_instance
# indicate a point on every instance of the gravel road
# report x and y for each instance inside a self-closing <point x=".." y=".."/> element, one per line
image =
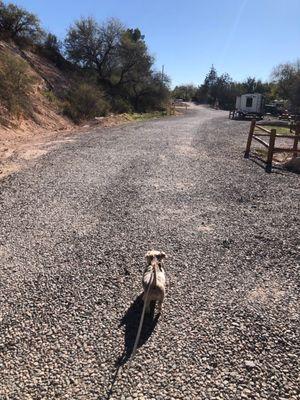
<point x="74" y="230"/>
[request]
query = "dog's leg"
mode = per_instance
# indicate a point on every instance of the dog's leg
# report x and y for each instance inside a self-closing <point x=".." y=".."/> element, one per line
<point x="160" y="303"/>
<point x="147" y="309"/>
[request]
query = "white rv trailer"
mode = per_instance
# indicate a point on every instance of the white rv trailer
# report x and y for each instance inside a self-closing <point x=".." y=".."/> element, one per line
<point x="249" y="105"/>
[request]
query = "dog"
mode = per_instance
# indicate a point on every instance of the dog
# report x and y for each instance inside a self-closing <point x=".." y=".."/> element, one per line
<point x="154" y="280"/>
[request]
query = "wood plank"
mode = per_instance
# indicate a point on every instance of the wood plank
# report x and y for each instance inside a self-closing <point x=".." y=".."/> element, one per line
<point x="262" y="128"/>
<point x="285" y="150"/>
<point x="296" y="140"/>
<point x="271" y="150"/>
<point x="277" y="135"/>
<point x="261" y="141"/>
<point x="250" y="136"/>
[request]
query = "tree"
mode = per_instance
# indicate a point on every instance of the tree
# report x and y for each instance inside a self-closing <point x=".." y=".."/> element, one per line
<point x="285" y="76"/>
<point x="120" y="58"/>
<point x="253" y="85"/>
<point x="209" y="88"/>
<point x="294" y="95"/>
<point x="52" y="43"/>
<point x="186" y="92"/>
<point x="17" y="23"/>
<point x="90" y="45"/>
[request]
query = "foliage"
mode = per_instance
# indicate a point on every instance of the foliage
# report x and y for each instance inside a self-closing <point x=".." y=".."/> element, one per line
<point x="185" y="92"/>
<point x="92" y="45"/>
<point x="15" y="85"/>
<point x="287" y="79"/>
<point x="18" y="24"/>
<point x="222" y="90"/>
<point x="122" y="62"/>
<point x="115" y="70"/>
<point x="116" y="56"/>
<point x="51" y="48"/>
<point x="85" y="101"/>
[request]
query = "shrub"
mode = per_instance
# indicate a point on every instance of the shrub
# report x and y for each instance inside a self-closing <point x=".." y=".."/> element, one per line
<point x="15" y="85"/>
<point x="85" y="101"/>
<point x="120" y="105"/>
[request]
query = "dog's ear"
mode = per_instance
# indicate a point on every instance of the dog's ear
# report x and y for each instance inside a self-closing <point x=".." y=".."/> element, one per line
<point x="162" y="255"/>
<point x="148" y="257"/>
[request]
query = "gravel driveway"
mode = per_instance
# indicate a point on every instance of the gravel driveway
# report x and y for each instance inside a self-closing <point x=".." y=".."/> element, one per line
<point x="74" y="230"/>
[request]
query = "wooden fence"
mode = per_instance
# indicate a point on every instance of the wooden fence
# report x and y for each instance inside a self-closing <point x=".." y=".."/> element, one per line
<point x="172" y="107"/>
<point x="257" y="131"/>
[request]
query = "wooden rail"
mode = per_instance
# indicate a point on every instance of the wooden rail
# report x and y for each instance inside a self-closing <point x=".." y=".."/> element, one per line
<point x="253" y="134"/>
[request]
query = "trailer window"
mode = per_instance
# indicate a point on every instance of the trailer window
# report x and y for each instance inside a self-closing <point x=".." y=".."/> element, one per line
<point x="249" y="102"/>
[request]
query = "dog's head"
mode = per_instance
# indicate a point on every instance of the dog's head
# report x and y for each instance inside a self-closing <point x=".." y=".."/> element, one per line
<point x="155" y="257"/>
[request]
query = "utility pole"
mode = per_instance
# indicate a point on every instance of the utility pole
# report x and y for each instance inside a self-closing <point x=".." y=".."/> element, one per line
<point x="163" y="73"/>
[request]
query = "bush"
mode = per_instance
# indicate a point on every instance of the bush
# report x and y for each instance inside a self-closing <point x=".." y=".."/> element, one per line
<point x="85" y="101"/>
<point x="15" y="85"/>
<point x="120" y="105"/>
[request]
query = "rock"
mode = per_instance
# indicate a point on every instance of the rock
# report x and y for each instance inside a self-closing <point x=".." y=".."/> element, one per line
<point x="250" y="364"/>
<point x="293" y="165"/>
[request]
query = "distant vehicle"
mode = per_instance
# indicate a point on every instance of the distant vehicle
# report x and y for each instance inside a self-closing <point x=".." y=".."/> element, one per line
<point x="272" y="109"/>
<point x="249" y="106"/>
<point x="178" y="101"/>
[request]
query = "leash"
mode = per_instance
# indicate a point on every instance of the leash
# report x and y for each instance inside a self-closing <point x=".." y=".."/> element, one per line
<point x="136" y="339"/>
<point x="142" y="318"/>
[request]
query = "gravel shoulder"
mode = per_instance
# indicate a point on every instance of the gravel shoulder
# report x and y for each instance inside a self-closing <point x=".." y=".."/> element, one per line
<point x="74" y="230"/>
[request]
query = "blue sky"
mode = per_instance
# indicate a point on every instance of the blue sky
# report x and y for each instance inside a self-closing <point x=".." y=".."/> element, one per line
<point x="240" y="37"/>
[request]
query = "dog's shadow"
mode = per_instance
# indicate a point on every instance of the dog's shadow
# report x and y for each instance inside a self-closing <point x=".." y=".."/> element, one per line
<point x="130" y="321"/>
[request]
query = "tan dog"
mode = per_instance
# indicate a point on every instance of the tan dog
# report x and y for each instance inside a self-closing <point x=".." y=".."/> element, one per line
<point x="154" y="282"/>
<point x="154" y="275"/>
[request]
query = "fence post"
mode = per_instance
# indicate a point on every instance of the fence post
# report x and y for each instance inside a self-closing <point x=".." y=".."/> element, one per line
<point x="249" y="141"/>
<point x="296" y="140"/>
<point x="271" y="150"/>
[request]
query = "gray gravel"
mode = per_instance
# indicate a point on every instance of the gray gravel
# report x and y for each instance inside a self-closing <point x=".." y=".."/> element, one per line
<point x="74" y="230"/>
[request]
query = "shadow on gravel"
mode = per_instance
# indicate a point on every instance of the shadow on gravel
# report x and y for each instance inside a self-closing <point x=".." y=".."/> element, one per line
<point x="262" y="163"/>
<point x="131" y="320"/>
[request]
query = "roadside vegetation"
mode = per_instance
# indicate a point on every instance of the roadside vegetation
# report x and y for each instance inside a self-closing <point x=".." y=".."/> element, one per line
<point x="109" y="66"/>
<point x="221" y="90"/>
<point x="16" y="84"/>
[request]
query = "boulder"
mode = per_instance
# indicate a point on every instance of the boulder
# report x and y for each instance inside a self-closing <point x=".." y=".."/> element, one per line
<point x="293" y="165"/>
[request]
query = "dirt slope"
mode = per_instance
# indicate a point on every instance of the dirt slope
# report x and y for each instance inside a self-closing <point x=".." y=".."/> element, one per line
<point x="18" y="138"/>
<point x="47" y="77"/>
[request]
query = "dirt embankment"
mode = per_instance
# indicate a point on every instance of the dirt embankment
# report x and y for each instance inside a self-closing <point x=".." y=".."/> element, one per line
<point x="28" y="137"/>
<point x="21" y="138"/>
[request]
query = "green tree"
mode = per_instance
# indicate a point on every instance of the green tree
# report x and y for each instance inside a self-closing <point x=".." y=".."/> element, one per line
<point x="285" y="76"/>
<point x="120" y="58"/>
<point x="17" y="23"/>
<point x="91" y="45"/>
<point x="186" y="92"/>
